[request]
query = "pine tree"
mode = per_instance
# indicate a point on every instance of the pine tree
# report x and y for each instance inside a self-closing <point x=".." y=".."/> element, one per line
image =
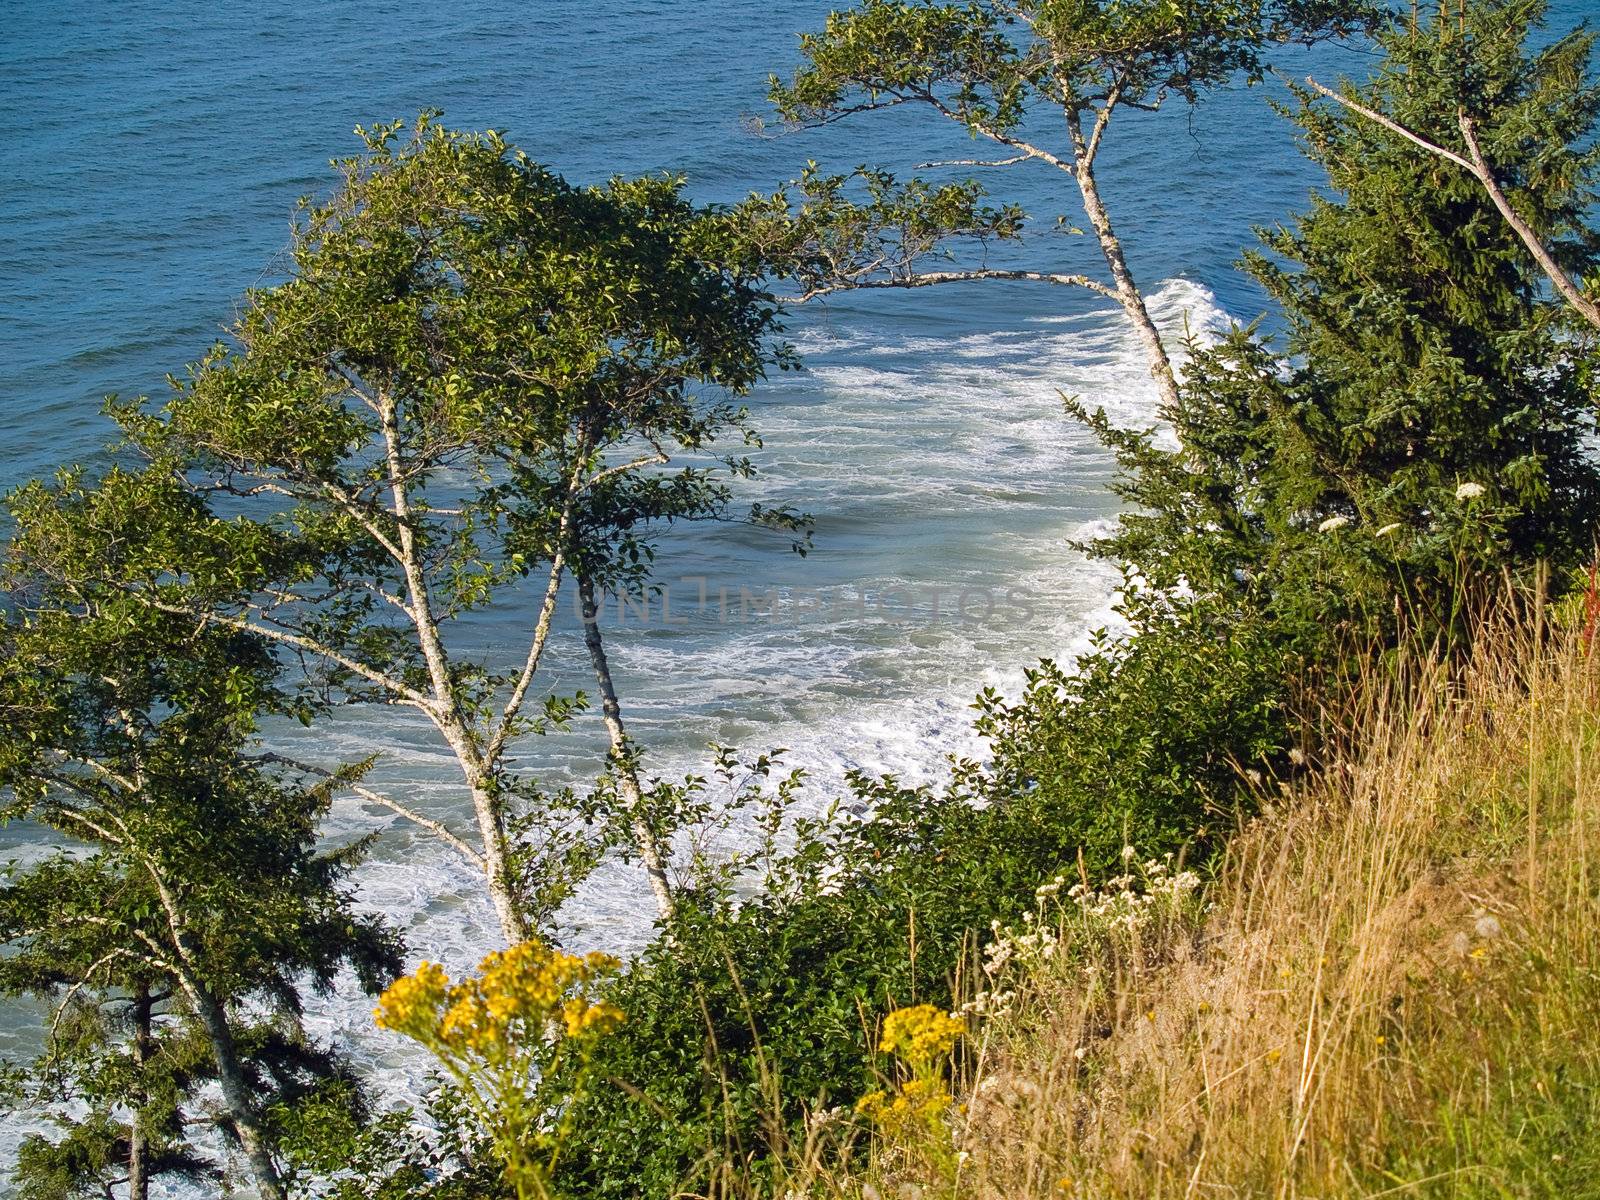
<point x="1423" y="424"/>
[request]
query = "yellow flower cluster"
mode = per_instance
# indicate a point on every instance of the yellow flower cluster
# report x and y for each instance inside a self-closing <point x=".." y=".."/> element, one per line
<point x="921" y="1035"/>
<point x="911" y="1116"/>
<point x="914" y="1108"/>
<point x="503" y="1035"/>
<point x="529" y="992"/>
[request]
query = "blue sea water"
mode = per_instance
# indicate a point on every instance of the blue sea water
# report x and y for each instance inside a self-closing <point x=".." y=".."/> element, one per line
<point x="152" y="158"/>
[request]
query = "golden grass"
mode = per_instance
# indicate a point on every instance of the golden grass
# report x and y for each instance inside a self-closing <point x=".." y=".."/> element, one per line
<point x="1393" y="991"/>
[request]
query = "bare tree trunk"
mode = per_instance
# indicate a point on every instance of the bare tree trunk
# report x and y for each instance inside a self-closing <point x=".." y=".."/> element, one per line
<point x="236" y="1092"/>
<point x="1127" y="291"/>
<point x="138" y="1161"/>
<point x="621" y="752"/>
<point x="491" y="826"/>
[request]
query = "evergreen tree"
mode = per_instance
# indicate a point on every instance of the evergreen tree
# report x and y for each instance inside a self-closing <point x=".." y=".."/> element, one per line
<point x="187" y="904"/>
<point x="1425" y="423"/>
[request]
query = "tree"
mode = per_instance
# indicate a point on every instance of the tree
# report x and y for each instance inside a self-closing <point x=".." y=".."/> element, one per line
<point x="1426" y="424"/>
<point x="475" y="375"/>
<point x="1552" y="120"/>
<point x="187" y="891"/>
<point x="989" y="67"/>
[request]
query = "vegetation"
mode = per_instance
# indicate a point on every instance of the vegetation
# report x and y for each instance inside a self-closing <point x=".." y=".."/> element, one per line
<point x="1388" y="984"/>
<point x="529" y="1014"/>
<point x="467" y="382"/>
<point x="1284" y="890"/>
<point x="994" y="70"/>
<point x="190" y="905"/>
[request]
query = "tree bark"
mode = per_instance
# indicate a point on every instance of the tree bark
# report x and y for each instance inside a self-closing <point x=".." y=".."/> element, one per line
<point x="236" y="1092"/>
<point x="446" y="711"/>
<point x="138" y="1150"/>
<point x="1127" y="291"/>
<point x="621" y="756"/>
<point x="491" y="826"/>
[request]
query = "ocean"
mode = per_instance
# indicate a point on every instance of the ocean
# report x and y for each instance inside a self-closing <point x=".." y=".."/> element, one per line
<point x="153" y="159"/>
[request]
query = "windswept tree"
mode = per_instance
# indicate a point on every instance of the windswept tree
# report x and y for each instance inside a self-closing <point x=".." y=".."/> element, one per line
<point x="474" y="380"/>
<point x="1041" y="82"/>
<point x="188" y="903"/>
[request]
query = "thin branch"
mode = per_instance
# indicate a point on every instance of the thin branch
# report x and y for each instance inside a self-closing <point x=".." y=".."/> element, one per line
<point x="1478" y="167"/>
<point x="1028" y="149"/>
<point x="659" y="458"/>
<point x="438" y="828"/>
<point x="974" y="162"/>
<point x="88" y="978"/>
<point x="396" y="687"/>
<point x="100" y="831"/>
<point x="1391" y="125"/>
<point x="1563" y="282"/>
<point x="933" y="278"/>
<point x="1101" y="119"/>
<point x="541" y="632"/>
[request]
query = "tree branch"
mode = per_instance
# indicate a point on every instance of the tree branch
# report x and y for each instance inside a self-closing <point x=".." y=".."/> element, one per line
<point x="1101" y="119"/>
<point x="438" y="828"/>
<point x="394" y="686"/>
<point x="974" y="162"/>
<point x="1391" y="125"/>
<point x="547" y="609"/>
<point x="1478" y="167"/>
<point x="1028" y="149"/>
<point x="934" y="278"/>
<point x="1563" y="282"/>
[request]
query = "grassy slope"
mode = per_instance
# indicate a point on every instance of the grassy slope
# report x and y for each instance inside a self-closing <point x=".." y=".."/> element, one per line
<point x="1392" y="987"/>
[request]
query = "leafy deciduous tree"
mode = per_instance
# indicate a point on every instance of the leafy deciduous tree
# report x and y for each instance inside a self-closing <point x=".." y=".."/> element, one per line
<point x="991" y="68"/>
<point x="474" y="374"/>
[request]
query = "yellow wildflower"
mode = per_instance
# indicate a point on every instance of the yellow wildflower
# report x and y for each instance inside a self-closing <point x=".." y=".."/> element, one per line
<point x="921" y="1034"/>
<point x="502" y="1034"/>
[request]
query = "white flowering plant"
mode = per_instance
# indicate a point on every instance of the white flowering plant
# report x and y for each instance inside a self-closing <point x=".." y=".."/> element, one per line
<point x="1082" y="928"/>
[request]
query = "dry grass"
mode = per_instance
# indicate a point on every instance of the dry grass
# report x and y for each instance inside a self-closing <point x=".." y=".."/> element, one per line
<point x="1394" y="989"/>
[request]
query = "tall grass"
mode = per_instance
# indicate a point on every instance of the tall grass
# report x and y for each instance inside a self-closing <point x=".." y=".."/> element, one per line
<point x="1391" y="988"/>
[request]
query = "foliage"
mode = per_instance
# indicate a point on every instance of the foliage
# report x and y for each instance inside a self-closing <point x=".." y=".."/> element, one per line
<point x="993" y="68"/>
<point x="817" y="234"/>
<point x="532" y="1013"/>
<point x="910" y="1115"/>
<point x="749" y="1019"/>
<point x="1426" y="422"/>
<point x="985" y="64"/>
<point x="188" y="883"/>
<point x="1388" y="984"/>
<point x="475" y="376"/>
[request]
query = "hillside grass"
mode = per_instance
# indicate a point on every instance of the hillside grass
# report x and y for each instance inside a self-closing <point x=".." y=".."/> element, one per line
<point x="1389" y="987"/>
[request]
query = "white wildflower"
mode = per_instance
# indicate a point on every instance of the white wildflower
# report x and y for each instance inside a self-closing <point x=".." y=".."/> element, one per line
<point x="1333" y="523"/>
<point x="1388" y="529"/>
<point x="1469" y="491"/>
